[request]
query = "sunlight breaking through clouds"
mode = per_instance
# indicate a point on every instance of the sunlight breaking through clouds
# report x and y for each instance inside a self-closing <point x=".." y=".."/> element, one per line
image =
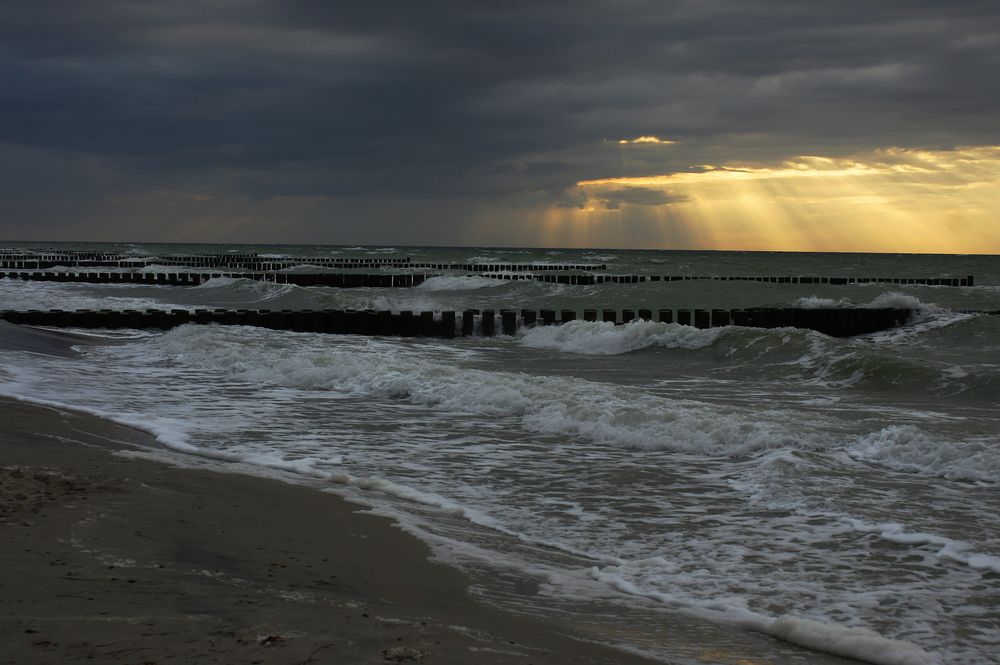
<point x="892" y="199"/>
<point x="650" y="140"/>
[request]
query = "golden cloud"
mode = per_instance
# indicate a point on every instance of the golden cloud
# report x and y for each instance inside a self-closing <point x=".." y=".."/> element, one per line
<point x="894" y="199"/>
<point x="646" y="139"/>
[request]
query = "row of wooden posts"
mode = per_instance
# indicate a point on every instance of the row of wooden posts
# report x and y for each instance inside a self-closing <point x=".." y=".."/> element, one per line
<point x="771" y="279"/>
<point x="448" y="324"/>
<point x="74" y="258"/>
<point x="263" y="265"/>
<point x="340" y="280"/>
<point x="258" y="262"/>
<point x="386" y="280"/>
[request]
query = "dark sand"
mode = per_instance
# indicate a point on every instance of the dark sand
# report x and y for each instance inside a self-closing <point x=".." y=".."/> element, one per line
<point x="111" y="558"/>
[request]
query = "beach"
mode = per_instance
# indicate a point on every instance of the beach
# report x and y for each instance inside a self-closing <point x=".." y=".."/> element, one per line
<point x="110" y="557"/>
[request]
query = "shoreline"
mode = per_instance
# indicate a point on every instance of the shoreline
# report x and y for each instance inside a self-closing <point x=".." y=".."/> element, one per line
<point x="117" y="557"/>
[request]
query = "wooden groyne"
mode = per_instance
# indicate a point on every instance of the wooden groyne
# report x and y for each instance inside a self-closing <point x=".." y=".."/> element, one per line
<point x="338" y="280"/>
<point x="385" y="280"/>
<point x="257" y="263"/>
<point x="253" y="266"/>
<point x="449" y="324"/>
<point x="587" y="280"/>
<point x="42" y="260"/>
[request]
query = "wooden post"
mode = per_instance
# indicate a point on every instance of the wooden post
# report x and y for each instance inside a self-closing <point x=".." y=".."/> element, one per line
<point x="508" y="321"/>
<point x="488" y="321"/>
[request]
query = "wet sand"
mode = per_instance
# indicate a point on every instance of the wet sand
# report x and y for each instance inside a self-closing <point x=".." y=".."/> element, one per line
<point x="110" y="557"/>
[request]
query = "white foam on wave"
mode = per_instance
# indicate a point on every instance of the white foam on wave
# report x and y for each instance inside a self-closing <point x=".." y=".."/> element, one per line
<point x="886" y="299"/>
<point x="901" y="300"/>
<point x="855" y="642"/>
<point x="947" y="549"/>
<point x="603" y="338"/>
<point x="549" y="405"/>
<point x="384" y="486"/>
<point x="731" y="610"/>
<point x="459" y="283"/>
<point x="852" y="642"/>
<point x="308" y="268"/>
<point x="815" y="302"/>
<point x="926" y="316"/>
<point x="249" y="290"/>
<point x="772" y="483"/>
<point x="907" y="448"/>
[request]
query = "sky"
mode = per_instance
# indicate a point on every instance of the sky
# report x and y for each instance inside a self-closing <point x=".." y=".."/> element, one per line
<point x="856" y="125"/>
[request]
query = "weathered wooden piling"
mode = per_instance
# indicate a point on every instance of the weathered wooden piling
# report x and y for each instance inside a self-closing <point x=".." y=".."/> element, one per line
<point x="702" y="319"/>
<point x="426" y="324"/>
<point x="508" y="322"/>
<point x="487" y="322"/>
<point x="407" y="324"/>
<point x="447" y="327"/>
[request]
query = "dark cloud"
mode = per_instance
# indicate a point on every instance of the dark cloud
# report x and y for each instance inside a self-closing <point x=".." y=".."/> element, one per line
<point x="508" y="103"/>
<point x="637" y="196"/>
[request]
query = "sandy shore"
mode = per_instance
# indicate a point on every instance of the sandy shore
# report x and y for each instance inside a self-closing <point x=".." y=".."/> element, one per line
<point x="112" y="558"/>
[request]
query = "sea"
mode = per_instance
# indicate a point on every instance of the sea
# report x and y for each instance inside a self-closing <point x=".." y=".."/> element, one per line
<point x="725" y="495"/>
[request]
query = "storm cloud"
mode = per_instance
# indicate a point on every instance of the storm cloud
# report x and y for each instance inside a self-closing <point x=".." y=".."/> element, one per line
<point x="118" y="115"/>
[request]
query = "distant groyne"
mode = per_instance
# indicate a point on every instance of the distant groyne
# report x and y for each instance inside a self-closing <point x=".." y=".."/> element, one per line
<point x="390" y="280"/>
<point x="844" y="322"/>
